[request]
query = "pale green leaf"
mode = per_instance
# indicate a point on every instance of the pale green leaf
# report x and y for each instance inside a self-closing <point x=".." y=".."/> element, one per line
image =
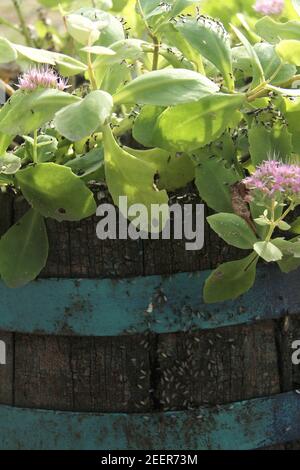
<point x="209" y="39"/>
<point x="9" y="164"/>
<point x="190" y="126"/>
<point x="213" y="180"/>
<point x="275" y="142"/>
<point x="233" y="230"/>
<point x="274" y="31"/>
<point x="82" y="119"/>
<point x="55" y="192"/>
<point x="230" y="280"/>
<point x="127" y="175"/>
<point x="257" y="70"/>
<point x="172" y="170"/>
<point x="166" y="87"/>
<point x="289" y="51"/>
<point x="25" y="112"/>
<point x="24" y="250"/>
<point x="268" y="251"/>
<point x="7" y="51"/>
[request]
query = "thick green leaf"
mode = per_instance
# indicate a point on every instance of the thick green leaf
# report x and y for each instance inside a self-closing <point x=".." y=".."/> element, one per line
<point x="273" y="31"/>
<point x="269" y="60"/>
<point x="144" y="126"/>
<point x="292" y="115"/>
<point x="129" y="176"/>
<point x="110" y="27"/>
<point x="166" y="88"/>
<point x="88" y="164"/>
<point x="5" y="140"/>
<point x="172" y="170"/>
<point x="154" y="8"/>
<point x="82" y="119"/>
<point x="296" y="226"/>
<point x="178" y="41"/>
<point x="9" y="164"/>
<point x="67" y="66"/>
<point x="209" y="39"/>
<point x="233" y="229"/>
<point x="24" y="250"/>
<point x="291" y="254"/>
<point x="46" y="148"/>
<point x="289" y="51"/>
<point x="55" y="192"/>
<point x="129" y="49"/>
<point x="257" y="70"/>
<point x="7" y="51"/>
<point x="99" y="50"/>
<point x="288" y="264"/>
<point x="25" y="112"/>
<point x="264" y="143"/>
<point x="288" y="247"/>
<point x="191" y="126"/>
<point x="268" y="251"/>
<point x="213" y="180"/>
<point x="230" y="280"/>
<point x="84" y="30"/>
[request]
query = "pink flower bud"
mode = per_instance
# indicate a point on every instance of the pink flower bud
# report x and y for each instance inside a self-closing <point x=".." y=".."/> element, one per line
<point x="43" y="77"/>
<point x="269" y="7"/>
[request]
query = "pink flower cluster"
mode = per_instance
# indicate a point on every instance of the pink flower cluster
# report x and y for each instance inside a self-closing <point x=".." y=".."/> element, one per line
<point x="269" y="7"/>
<point x="42" y="77"/>
<point x="273" y="178"/>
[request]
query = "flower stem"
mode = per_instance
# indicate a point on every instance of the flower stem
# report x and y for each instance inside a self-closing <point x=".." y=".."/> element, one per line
<point x="23" y="25"/>
<point x="35" y="147"/>
<point x="273" y="223"/>
<point x="91" y="72"/>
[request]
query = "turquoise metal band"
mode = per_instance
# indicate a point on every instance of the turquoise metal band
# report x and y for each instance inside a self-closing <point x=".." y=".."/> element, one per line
<point x="156" y="303"/>
<point x="244" y="425"/>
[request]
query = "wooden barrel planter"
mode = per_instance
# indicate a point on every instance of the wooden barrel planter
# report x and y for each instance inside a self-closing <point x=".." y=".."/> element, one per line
<point x="112" y="348"/>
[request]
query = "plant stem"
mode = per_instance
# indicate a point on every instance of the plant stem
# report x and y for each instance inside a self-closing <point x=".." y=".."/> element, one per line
<point x="35" y="148"/>
<point x="9" y="24"/>
<point x="91" y="72"/>
<point x="286" y="213"/>
<point x="154" y="38"/>
<point x="23" y="26"/>
<point x="156" y="53"/>
<point x="273" y="223"/>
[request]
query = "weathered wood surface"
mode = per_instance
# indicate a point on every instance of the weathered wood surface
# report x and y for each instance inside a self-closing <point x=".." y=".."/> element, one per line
<point x="150" y="372"/>
<point x="6" y="371"/>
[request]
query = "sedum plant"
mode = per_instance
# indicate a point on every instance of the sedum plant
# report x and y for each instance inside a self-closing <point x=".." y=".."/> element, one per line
<point x="220" y="107"/>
